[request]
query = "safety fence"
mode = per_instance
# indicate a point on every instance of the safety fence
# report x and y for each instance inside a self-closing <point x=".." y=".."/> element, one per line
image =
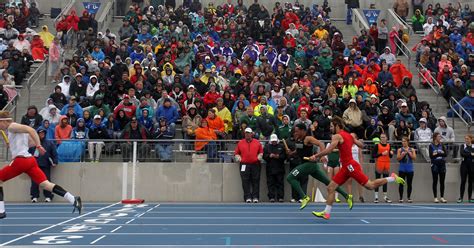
<point x="463" y="114"/>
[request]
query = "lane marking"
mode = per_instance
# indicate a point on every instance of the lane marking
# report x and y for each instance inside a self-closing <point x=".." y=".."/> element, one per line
<point x="437" y="208"/>
<point x="280" y="233"/>
<point x="97" y="240"/>
<point x="256" y="217"/>
<point x="260" y="224"/>
<point x="366" y="222"/>
<point x="116" y="229"/>
<point x="58" y="224"/>
<point x="140" y="215"/>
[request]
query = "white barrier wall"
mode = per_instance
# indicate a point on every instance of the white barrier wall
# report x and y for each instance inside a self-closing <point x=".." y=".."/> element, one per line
<point x="208" y="182"/>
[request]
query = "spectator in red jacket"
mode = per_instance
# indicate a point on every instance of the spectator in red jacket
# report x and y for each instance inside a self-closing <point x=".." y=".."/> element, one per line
<point x="249" y="153"/>
<point x="127" y="106"/>
<point x="210" y="98"/>
<point x="73" y="20"/>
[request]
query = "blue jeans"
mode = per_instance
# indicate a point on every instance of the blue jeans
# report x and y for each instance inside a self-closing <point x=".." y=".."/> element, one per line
<point x="349" y="15"/>
<point x="164" y="151"/>
<point x="211" y="149"/>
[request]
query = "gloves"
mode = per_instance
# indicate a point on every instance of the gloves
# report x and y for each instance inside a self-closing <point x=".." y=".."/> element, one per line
<point x="237" y="158"/>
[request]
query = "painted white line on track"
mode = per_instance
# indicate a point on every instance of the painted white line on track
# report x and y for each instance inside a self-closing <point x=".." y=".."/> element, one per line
<point x="55" y="225"/>
<point x="436" y="208"/>
<point x="366" y="222"/>
<point x="268" y="245"/>
<point x="280" y="233"/>
<point x="256" y="217"/>
<point x="97" y="240"/>
<point x="116" y="229"/>
<point x="270" y="224"/>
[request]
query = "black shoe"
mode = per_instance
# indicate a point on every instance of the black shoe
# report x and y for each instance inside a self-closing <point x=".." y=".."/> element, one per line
<point x="361" y="199"/>
<point x="77" y="205"/>
<point x="3" y="215"/>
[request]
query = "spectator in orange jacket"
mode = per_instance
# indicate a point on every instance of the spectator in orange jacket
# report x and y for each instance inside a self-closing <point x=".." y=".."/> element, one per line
<point x="370" y="87"/>
<point x="203" y="132"/>
<point x="63" y="130"/>
<point x="399" y="71"/>
<point x="215" y="123"/>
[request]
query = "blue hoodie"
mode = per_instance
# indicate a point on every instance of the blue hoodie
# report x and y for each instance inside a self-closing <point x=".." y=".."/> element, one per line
<point x="171" y="114"/>
<point x="77" y="109"/>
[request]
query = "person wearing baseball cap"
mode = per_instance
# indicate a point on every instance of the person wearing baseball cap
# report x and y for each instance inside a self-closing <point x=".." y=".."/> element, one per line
<point x="249" y="153"/>
<point x="274" y="154"/>
<point x="97" y="131"/>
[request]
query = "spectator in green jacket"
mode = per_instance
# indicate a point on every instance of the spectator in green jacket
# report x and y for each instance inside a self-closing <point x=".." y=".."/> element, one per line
<point x="418" y="20"/>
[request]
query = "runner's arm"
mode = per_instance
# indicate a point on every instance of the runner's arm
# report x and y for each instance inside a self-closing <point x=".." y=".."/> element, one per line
<point x="334" y="142"/>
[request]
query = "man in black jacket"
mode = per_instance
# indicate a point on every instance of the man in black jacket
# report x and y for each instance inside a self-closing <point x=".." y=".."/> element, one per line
<point x="97" y="131"/>
<point x="266" y="123"/>
<point x="45" y="162"/>
<point x="274" y="154"/>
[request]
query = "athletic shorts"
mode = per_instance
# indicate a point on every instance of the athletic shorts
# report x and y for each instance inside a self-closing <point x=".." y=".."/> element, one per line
<point x="351" y="170"/>
<point x="21" y="165"/>
<point x="382" y="167"/>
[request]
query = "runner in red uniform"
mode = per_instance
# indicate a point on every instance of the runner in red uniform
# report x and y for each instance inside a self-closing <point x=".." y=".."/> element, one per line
<point x="350" y="168"/>
<point x="20" y="138"/>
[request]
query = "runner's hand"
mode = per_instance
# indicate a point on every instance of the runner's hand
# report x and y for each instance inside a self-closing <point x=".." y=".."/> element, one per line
<point x="313" y="158"/>
<point x="41" y="150"/>
<point x="324" y="160"/>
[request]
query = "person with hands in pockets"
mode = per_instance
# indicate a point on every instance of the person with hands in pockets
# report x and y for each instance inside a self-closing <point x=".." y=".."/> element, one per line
<point x="274" y="154"/>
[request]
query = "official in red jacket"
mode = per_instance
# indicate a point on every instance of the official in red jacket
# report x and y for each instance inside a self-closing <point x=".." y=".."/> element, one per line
<point x="249" y="153"/>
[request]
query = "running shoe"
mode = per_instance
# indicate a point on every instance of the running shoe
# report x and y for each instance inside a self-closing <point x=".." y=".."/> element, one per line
<point x="3" y="215"/>
<point x="400" y="201"/>
<point x="255" y="200"/>
<point x="272" y="200"/>
<point x="248" y="201"/>
<point x="436" y="200"/>
<point x="443" y="200"/>
<point x="77" y="205"/>
<point x="361" y="199"/>
<point x="398" y="179"/>
<point x="293" y="201"/>
<point x="350" y="202"/>
<point x="387" y="200"/>
<point x="281" y="200"/>
<point x="304" y="202"/>
<point x="47" y="199"/>
<point x="34" y="200"/>
<point x="337" y="200"/>
<point x="409" y="200"/>
<point x="459" y="200"/>
<point x="322" y="215"/>
<point x="376" y="200"/>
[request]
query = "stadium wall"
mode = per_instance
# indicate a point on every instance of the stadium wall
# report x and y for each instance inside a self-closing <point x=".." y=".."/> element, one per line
<point x="206" y="182"/>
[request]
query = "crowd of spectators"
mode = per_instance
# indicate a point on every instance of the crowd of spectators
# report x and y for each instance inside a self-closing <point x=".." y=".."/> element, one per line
<point x="210" y="72"/>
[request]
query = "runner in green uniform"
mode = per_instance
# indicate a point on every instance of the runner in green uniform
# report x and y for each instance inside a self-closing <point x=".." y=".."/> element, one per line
<point x="309" y="168"/>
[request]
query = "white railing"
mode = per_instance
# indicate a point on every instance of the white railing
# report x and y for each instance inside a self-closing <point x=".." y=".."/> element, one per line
<point x="358" y="21"/>
<point x="400" y="21"/>
<point x="35" y="76"/>
<point x="461" y="112"/>
<point x="434" y="85"/>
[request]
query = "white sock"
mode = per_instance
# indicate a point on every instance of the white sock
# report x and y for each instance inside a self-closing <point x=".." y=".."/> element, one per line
<point x="390" y="179"/>
<point x="328" y="209"/>
<point x="384" y="194"/>
<point x="376" y="195"/>
<point x="2" y="206"/>
<point x="337" y="195"/>
<point x="69" y="197"/>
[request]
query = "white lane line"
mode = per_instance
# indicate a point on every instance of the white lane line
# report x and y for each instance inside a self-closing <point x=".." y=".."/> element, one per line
<point x="130" y="221"/>
<point x="436" y="208"/>
<point x="97" y="240"/>
<point x="269" y="224"/>
<point x="366" y="222"/>
<point x="116" y="229"/>
<point x="140" y="215"/>
<point x="274" y="245"/>
<point x="280" y="233"/>
<point x="275" y="212"/>
<point x="256" y="217"/>
<point x="58" y="224"/>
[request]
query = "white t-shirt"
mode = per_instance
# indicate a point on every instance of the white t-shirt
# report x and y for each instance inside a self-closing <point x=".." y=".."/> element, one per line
<point x="19" y="144"/>
<point x="355" y="153"/>
<point x="427" y="28"/>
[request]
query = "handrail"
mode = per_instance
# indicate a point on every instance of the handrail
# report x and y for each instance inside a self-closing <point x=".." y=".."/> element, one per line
<point x="404" y="23"/>
<point x="105" y="16"/>
<point x="64" y="10"/>
<point x="11" y="105"/>
<point x="461" y="112"/>
<point x="358" y="21"/>
<point x="35" y="76"/>
<point x="435" y="82"/>
<point x="404" y="49"/>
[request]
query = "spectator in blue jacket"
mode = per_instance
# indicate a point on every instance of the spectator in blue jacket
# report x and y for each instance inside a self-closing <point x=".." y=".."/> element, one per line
<point x="164" y="131"/>
<point x="406" y="116"/>
<point x="49" y="129"/>
<point x="168" y="111"/>
<point x="467" y="103"/>
<point x="45" y="162"/>
<point x="77" y="108"/>
<point x="137" y="55"/>
<point x="97" y="54"/>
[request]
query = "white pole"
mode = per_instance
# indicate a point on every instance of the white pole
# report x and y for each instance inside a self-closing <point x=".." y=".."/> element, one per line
<point x="134" y="168"/>
<point x="124" y="180"/>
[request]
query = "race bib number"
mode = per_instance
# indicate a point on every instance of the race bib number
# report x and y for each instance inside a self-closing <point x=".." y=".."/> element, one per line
<point x="295" y="172"/>
<point x="350" y="168"/>
<point x="243" y="168"/>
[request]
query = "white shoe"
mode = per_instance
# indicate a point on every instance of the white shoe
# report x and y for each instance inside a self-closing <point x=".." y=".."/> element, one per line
<point x="387" y="200"/>
<point x="248" y="201"/>
<point x="443" y="200"/>
<point x="436" y="200"/>
<point x="300" y="200"/>
<point x="34" y="200"/>
<point x="47" y="199"/>
<point x="255" y="200"/>
<point x="293" y="201"/>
